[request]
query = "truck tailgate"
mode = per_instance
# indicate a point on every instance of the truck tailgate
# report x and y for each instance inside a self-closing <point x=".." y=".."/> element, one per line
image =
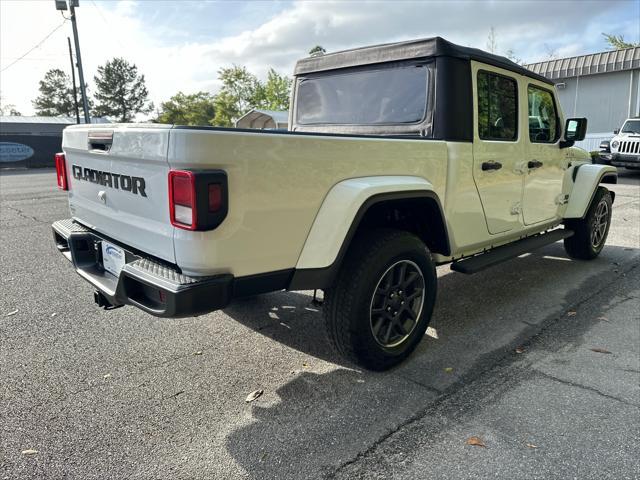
<point x="118" y="184"/>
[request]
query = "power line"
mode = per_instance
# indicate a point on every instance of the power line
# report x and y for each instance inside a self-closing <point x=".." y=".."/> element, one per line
<point x="36" y="46"/>
<point x="106" y="22"/>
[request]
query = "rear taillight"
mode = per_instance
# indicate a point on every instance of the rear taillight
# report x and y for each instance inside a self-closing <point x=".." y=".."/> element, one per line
<point x="61" y="171"/>
<point x="182" y="194"/>
<point x="197" y="199"/>
<point x="214" y="197"/>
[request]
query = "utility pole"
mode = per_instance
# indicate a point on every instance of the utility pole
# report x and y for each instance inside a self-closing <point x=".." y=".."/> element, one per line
<point x="73" y="77"/>
<point x="83" y="89"/>
<point x="62" y="5"/>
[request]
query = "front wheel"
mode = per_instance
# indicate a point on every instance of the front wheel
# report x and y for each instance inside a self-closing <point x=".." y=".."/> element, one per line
<point x="590" y="232"/>
<point x="381" y="303"/>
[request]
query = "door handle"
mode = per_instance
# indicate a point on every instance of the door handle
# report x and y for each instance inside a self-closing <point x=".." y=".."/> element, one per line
<point x="534" y="164"/>
<point x="491" y="166"/>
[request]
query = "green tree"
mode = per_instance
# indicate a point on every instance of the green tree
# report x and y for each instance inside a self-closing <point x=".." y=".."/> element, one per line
<point x="511" y="55"/>
<point x="617" y="42"/>
<point x="56" y="95"/>
<point x="317" y="50"/>
<point x="182" y="109"/>
<point x="120" y="92"/>
<point x="8" y="108"/>
<point x="240" y="91"/>
<point x="274" y="93"/>
<point x="492" y="42"/>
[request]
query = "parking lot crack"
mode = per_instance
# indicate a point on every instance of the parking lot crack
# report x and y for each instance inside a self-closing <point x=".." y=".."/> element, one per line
<point x="21" y="214"/>
<point x="584" y="387"/>
<point x="423" y="385"/>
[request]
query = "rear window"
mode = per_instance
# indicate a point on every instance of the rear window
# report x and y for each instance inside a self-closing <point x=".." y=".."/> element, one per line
<point x="373" y="97"/>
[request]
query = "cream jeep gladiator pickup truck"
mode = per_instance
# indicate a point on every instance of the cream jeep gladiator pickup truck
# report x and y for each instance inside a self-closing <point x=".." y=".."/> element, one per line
<point x="398" y="158"/>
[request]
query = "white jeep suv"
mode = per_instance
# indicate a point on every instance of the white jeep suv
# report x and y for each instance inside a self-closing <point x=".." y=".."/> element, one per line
<point x="625" y="146"/>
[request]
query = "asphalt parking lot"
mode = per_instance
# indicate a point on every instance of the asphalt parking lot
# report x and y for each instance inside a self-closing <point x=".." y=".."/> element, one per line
<point x="90" y="394"/>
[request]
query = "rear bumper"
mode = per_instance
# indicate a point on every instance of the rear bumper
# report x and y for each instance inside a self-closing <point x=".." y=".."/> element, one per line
<point x="156" y="288"/>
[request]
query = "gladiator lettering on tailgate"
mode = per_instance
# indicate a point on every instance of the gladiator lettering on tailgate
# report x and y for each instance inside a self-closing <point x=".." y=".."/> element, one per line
<point x="135" y="185"/>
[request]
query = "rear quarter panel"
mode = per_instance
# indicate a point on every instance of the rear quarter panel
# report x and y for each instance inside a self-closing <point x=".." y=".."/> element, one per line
<point x="277" y="183"/>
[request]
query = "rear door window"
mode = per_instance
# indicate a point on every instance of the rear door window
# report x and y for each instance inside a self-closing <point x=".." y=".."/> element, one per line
<point x="497" y="107"/>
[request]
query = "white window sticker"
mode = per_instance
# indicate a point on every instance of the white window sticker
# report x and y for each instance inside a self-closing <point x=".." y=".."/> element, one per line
<point x="112" y="258"/>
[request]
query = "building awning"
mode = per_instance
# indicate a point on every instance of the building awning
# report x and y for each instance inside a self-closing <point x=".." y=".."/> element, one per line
<point x="602" y="62"/>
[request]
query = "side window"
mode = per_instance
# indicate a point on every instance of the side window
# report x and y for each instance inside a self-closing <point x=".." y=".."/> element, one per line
<point x="543" y="118"/>
<point x="497" y="107"/>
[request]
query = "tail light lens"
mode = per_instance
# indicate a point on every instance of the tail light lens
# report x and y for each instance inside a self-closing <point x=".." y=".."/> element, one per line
<point x="197" y="199"/>
<point x="182" y="193"/>
<point x="61" y="171"/>
<point x="215" y="197"/>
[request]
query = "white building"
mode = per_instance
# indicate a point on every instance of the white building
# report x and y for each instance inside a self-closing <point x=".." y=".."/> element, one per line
<point x="603" y="87"/>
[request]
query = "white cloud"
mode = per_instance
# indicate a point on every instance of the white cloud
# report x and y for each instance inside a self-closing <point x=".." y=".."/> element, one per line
<point x="529" y="28"/>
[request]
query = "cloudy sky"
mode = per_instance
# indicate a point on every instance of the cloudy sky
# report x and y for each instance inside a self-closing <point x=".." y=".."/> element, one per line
<point x="180" y="45"/>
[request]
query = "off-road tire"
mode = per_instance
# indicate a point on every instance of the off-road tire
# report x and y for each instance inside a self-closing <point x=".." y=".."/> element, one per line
<point x="581" y="244"/>
<point x="348" y="304"/>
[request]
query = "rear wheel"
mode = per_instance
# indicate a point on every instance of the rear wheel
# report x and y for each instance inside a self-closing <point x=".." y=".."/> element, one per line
<point x="382" y="300"/>
<point x="590" y="232"/>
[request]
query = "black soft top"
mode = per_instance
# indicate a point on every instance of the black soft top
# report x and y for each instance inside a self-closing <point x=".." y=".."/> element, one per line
<point x="413" y="49"/>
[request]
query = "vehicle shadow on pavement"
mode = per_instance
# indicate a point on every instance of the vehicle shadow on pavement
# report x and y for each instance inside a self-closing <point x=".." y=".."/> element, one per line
<point x="325" y="419"/>
<point x="290" y="318"/>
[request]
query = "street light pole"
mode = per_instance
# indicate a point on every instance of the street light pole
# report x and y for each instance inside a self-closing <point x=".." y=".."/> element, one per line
<point x="73" y="77"/>
<point x="83" y="90"/>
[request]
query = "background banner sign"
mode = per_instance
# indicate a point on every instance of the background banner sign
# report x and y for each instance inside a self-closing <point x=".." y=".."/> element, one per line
<point x="28" y="151"/>
<point x="14" y="152"/>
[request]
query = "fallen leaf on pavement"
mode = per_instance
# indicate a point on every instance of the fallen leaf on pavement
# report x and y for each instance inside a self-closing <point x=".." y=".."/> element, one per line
<point x="475" y="441"/>
<point x="520" y="349"/>
<point x="571" y="313"/>
<point x="600" y="350"/>
<point x="253" y="395"/>
<point x="448" y="370"/>
<point x="432" y="332"/>
<point x="531" y="445"/>
<point x="29" y="452"/>
<point x="12" y="313"/>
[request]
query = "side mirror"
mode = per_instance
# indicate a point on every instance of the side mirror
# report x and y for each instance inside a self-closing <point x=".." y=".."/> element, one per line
<point x="574" y="130"/>
<point x="616" y="131"/>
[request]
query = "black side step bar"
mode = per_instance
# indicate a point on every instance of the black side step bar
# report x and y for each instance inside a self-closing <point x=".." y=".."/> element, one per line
<point x="506" y="252"/>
